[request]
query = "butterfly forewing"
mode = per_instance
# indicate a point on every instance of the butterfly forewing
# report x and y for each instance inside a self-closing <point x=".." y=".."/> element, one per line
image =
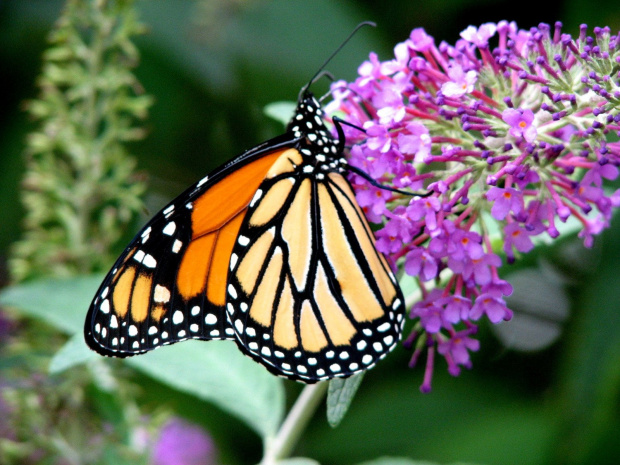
<point x="170" y="283"/>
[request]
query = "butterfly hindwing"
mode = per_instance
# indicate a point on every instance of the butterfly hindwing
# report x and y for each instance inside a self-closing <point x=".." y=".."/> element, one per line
<point x="169" y="283"/>
<point x="309" y="295"/>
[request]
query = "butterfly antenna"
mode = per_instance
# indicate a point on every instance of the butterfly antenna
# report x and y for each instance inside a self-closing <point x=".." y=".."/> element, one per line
<point x="320" y="71"/>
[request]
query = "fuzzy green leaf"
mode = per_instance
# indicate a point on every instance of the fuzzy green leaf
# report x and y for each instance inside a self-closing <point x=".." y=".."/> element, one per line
<point x="403" y="461"/>
<point x="61" y="303"/>
<point x="74" y="352"/>
<point x="219" y="373"/>
<point x="298" y="461"/>
<point x="280" y="111"/>
<point x="397" y="461"/>
<point x="339" y="397"/>
<point x="216" y="371"/>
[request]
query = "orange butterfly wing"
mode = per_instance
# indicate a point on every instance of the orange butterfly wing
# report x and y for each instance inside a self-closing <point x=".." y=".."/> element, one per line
<point x="170" y="283"/>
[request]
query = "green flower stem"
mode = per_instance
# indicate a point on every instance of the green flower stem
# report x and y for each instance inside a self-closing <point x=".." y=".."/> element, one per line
<point x="282" y="444"/>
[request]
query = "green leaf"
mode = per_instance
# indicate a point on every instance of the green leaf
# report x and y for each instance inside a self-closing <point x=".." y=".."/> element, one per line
<point x="298" y="461"/>
<point x="63" y="303"/>
<point x="280" y="111"/>
<point x="402" y="461"/>
<point x="541" y="306"/>
<point x="397" y="461"/>
<point x="74" y="352"/>
<point x="339" y="396"/>
<point x="218" y="372"/>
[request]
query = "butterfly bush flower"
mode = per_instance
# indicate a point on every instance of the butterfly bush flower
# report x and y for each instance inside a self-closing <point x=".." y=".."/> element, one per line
<point x="510" y="130"/>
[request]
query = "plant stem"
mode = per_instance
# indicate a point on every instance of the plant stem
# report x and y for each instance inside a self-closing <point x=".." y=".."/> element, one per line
<point x="294" y="424"/>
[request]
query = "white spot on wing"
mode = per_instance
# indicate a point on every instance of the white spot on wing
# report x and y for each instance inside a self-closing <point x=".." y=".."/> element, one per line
<point x="176" y="246"/>
<point x="256" y="198"/>
<point x="202" y="181"/>
<point x="384" y="327"/>
<point x="170" y="228"/>
<point x="177" y="318"/>
<point x="161" y="294"/>
<point x="149" y="261"/>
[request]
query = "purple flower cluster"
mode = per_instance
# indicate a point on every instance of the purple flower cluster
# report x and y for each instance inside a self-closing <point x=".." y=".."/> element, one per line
<point x="511" y="139"/>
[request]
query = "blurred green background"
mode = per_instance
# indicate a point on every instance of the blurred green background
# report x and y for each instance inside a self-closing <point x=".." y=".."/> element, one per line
<point x="212" y="65"/>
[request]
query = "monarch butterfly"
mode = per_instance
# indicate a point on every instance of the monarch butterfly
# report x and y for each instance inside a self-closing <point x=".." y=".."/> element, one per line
<point x="270" y="250"/>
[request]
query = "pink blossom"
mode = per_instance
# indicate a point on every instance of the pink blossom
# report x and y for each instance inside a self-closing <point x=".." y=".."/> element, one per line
<point x="460" y="82"/>
<point x="505" y="201"/>
<point x="479" y="36"/>
<point x="520" y="122"/>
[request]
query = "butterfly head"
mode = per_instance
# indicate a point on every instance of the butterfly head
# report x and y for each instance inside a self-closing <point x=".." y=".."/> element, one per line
<point x="309" y="127"/>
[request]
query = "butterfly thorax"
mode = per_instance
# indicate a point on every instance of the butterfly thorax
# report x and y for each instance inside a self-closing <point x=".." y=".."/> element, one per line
<point x="316" y="143"/>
